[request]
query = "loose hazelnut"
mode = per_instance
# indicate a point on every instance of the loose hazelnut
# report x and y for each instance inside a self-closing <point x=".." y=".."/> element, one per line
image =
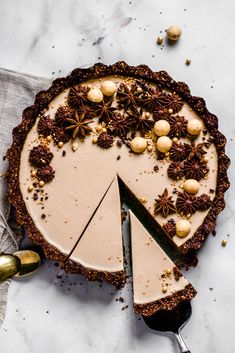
<point x="161" y="128"/>
<point x="41" y="183"/>
<point x="164" y="144"/>
<point x="173" y="33"/>
<point x="108" y="88"/>
<point x="95" y="139"/>
<point x="191" y="186"/>
<point x="147" y="115"/>
<point x="95" y="95"/>
<point x="49" y="138"/>
<point x="187" y="61"/>
<point x="224" y="242"/>
<point x="194" y="127"/>
<point x="60" y="144"/>
<point x="168" y="271"/>
<point x="159" y="40"/>
<point x="33" y="173"/>
<point x="170" y="111"/>
<point x="183" y="228"/>
<point x="138" y="144"/>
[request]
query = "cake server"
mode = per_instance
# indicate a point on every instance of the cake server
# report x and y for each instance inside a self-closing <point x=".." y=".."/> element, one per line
<point x="171" y="322"/>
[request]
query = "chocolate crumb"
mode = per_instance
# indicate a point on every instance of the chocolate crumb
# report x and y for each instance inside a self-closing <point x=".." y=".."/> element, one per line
<point x="118" y="157"/>
<point x="64" y="153"/>
<point x="156" y="168"/>
<point x="43" y="216"/>
<point x="119" y="143"/>
<point x="35" y="196"/>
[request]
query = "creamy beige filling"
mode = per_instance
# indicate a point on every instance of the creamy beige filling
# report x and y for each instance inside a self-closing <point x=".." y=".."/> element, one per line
<point x="101" y="246"/>
<point x="152" y="270"/>
<point x="83" y="176"/>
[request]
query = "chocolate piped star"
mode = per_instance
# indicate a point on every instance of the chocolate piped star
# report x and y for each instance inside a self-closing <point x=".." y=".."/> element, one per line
<point x="186" y="203"/>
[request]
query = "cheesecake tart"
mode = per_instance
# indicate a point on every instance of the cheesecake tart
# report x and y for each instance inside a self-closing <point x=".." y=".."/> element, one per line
<point x="105" y="123"/>
<point x="157" y="282"/>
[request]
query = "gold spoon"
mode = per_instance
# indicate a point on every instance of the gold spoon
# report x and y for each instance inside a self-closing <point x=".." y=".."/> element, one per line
<point x="30" y="261"/>
<point x="21" y="263"/>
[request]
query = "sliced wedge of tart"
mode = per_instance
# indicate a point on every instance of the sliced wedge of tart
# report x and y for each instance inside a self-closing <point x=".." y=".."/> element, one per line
<point x="157" y="282"/>
<point x="99" y="253"/>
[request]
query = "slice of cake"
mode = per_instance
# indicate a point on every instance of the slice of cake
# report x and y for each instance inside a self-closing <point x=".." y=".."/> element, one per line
<point x="157" y="282"/>
<point x="99" y="253"/>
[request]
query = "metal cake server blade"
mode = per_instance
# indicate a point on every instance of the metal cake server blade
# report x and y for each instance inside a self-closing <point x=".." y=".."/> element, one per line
<point x="171" y="322"/>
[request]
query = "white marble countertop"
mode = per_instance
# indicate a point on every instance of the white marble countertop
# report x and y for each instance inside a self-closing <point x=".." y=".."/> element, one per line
<point x="50" y="38"/>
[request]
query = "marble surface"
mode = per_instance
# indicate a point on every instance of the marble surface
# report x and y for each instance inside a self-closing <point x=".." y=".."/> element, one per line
<point x="51" y="312"/>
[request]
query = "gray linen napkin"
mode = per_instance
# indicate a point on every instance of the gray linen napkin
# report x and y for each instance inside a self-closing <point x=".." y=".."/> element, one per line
<point x="17" y="91"/>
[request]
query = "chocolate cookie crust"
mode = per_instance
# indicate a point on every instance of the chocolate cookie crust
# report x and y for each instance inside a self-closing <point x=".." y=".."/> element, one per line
<point x="167" y="303"/>
<point x="163" y="80"/>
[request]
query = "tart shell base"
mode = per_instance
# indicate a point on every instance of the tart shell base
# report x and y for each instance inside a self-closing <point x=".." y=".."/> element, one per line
<point x="167" y="303"/>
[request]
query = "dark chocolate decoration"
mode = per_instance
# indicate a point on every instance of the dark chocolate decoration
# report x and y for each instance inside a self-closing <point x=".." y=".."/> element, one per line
<point x="155" y="99"/>
<point x="176" y="170"/>
<point x="204" y="202"/>
<point x="78" y="126"/>
<point x="59" y="135"/>
<point x="161" y="114"/>
<point x="40" y="156"/>
<point x="63" y="113"/>
<point x="164" y="204"/>
<point x="46" y="174"/>
<point x="87" y="110"/>
<point x="178" y="126"/>
<point x="176" y="102"/>
<point x="105" y="111"/>
<point x="105" y="140"/>
<point x="179" y="151"/>
<point x="78" y="96"/>
<point x="129" y="96"/>
<point x="197" y="151"/>
<point x="195" y="169"/>
<point x="169" y="228"/>
<point x="119" y="125"/>
<point x="139" y="122"/>
<point x="45" y="126"/>
<point x="186" y="203"/>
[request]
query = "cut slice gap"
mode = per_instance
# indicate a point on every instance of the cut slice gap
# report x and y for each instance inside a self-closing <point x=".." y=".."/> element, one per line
<point x="99" y="253"/>
<point x="157" y="282"/>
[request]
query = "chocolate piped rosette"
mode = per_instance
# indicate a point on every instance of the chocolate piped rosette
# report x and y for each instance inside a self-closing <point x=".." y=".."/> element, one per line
<point x="105" y="122"/>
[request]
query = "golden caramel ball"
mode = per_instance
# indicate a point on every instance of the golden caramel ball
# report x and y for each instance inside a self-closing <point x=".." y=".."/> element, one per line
<point x="138" y="144"/>
<point x="95" y="95"/>
<point x="164" y="144"/>
<point x="183" y="228"/>
<point x="108" y="88"/>
<point x="194" y="127"/>
<point x="161" y="128"/>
